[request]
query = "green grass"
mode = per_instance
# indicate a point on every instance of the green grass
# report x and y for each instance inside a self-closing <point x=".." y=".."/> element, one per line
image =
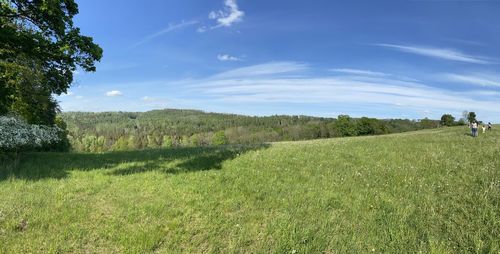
<point x="434" y="191"/>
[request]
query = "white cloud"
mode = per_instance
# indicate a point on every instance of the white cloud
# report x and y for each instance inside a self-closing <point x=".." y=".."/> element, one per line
<point x="154" y="102"/>
<point x="171" y="27"/>
<point x="284" y="82"/>
<point x="475" y="79"/>
<point x="361" y="72"/>
<point x="227" y="17"/>
<point x="271" y="68"/>
<point x="114" y="93"/>
<point x="226" y="57"/>
<point x="69" y="93"/>
<point x="447" y="54"/>
<point x="148" y="99"/>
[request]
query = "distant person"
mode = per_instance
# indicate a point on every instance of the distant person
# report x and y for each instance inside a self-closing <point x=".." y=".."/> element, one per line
<point x="474" y="128"/>
<point x="489" y="126"/>
<point x="484" y="129"/>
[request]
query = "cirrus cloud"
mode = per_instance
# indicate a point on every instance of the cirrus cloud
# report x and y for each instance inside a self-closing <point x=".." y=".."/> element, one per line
<point x="440" y="53"/>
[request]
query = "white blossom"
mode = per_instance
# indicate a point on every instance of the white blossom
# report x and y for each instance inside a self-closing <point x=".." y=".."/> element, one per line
<point x="16" y="134"/>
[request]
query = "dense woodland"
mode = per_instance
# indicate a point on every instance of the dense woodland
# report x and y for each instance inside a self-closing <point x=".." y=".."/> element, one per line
<point x="118" y="131"/>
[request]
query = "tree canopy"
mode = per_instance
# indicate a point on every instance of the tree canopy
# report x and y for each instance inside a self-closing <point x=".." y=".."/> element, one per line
<point x="40" y="49"/>
<point x="447" y="120"/>
<point x="184" y="128"/>
<point x="471" y="117"/>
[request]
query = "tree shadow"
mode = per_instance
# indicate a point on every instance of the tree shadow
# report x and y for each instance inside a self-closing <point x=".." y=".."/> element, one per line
<point x="37" y="166"/>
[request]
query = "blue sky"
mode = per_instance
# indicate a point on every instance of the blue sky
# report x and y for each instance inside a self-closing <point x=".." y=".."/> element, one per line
<point x="384" y="58"/>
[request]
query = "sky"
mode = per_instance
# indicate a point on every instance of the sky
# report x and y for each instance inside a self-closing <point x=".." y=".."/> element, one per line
<point x="381" y="58"/>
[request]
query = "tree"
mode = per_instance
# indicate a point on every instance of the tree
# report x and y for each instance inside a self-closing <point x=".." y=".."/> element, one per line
<point x="471" y="117"/>
<point x="40" y="48"/>
<point x="89" y="143"/>
<point x="63" y="145"/>
<point x="367" y="126"/>
<point x="465" y="114"/>
<point x="167" y="142"/>
<point x="345" y="126"/>
<point x="120" y="145"/>
<point x="426" y="123"/>
<point x="152" y="142"/>
<point x="195" y="140"/>
<point x="131" y="144"/>
<point x="461" y="122"/>
<point x="447" y="120"/>
<point x="219" y="138"/>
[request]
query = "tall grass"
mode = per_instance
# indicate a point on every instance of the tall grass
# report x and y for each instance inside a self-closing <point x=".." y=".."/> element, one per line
<point x="434" y="191"/>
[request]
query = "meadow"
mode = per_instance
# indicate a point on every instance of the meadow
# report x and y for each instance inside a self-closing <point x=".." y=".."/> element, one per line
<point x="431" y="191"/>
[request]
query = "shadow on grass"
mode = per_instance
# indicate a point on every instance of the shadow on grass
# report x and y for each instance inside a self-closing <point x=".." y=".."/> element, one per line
<point x="36" y="166"/>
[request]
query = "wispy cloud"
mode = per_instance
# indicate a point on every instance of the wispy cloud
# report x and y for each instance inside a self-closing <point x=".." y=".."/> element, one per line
<point x="155" y="102"/>
<point x="291" y="86"/>
<point x="114" y="93"/>
<point x="265" y="69"/>
<point x="467" y="42"/>
<point x="286" y="83"/>
<point x="227" y="17"/>
<point x="360" y="72"/>
<point x="440" y="53"/>
<point x="171" y="27"/>
<point x="226" y="57"/>
<point x="475" y="79"/>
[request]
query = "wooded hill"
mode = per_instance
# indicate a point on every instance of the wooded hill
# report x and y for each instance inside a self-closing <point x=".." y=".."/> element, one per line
<point x="118" y="131"/>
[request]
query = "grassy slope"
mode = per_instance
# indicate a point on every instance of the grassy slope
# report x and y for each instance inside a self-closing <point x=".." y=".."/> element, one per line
<point x="432" y="191"/>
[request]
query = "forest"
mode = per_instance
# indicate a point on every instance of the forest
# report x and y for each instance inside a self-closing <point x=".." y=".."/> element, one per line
<point x="121" y="131"/>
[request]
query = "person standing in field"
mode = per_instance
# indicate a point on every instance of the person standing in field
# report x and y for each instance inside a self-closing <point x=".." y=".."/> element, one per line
<point x="484" y="129"/>
<point x="474" y="129"/>
<point x="489" y="126"/>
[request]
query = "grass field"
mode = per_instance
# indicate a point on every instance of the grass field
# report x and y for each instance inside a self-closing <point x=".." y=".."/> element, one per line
<point x="433" y="191"/>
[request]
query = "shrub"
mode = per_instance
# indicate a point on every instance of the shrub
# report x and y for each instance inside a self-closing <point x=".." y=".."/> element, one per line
<point x="17" y="135"/>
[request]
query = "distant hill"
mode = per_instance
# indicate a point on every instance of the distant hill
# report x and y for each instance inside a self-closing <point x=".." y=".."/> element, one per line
<point x="94" y="132"/>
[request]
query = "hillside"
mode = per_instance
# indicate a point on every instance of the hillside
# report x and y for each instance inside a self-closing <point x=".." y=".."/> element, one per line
<point x="430" y="191"/>
<point x="122" y="131"/>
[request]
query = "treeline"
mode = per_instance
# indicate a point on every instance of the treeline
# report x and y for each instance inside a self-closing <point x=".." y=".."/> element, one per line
<point x="118" y="131"/>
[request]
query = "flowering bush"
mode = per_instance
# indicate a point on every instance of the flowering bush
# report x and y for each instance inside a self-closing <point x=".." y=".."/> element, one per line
<point x="17" y="135"/>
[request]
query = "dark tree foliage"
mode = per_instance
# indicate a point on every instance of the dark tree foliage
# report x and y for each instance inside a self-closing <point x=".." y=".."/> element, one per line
<point x="471" y="117"/>
<point x="93" y="132"/>
<point x="346" y="126"/>
<point x="447" y="120"/>
<point x="428" y="124"/>
<point x="371" y="126"/>
<point x="39" y="50"/>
